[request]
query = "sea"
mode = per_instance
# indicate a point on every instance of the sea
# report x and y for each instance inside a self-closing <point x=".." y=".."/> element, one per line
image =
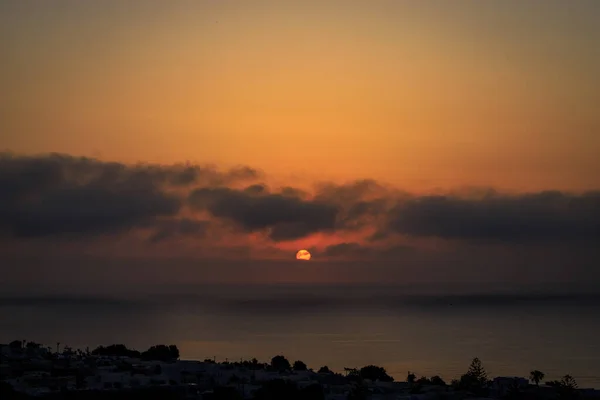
<point x="425" y="329"/>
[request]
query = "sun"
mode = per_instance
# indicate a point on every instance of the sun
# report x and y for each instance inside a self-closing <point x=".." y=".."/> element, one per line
<point x="303" y="255"/>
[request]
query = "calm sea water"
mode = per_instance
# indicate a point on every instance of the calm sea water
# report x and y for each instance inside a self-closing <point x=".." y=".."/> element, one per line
<point x="427" y="331"/>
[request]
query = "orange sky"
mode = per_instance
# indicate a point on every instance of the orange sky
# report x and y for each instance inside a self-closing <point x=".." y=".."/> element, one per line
<point x="421" y="97"/>
<point x="417" y="94"/>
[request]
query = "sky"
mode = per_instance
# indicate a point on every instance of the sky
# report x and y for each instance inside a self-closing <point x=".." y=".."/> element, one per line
<point x="396" y="140"/>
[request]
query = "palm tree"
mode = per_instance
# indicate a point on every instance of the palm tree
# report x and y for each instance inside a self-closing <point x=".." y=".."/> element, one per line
<point x="536" y="376"/>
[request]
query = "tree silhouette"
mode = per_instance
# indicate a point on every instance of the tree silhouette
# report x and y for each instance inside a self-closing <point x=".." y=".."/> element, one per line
<point x="417" y="386"/>
<point x="352" y="374"/>
<point x="68" y="351"/>
<point x="161" y="352"/>
<point x="15" y="344"/>
<point x="477" y="372"/>
<point x="116" y="350"/>
<point x="536" y="376"/>
<point x="567" y="388"/>
<point x="324" y="370"/>
<point x="299" y="366"/>
<point x="411" y="378"/>
<point x="375" y="373"/>
<point x="436" y="380"/>
<point x="475" y="380"/>
<point x="280" y="363"/>
<point x="569" y="382"/>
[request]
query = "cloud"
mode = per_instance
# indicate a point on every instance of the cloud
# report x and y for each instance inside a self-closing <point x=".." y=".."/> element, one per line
<point x="59" y="194"/>
<point x="294" y="192"/>
<point x="353" y="250"/>
<point x="291" y="213"/>
<point x="254" y="209"/>
<point x="549" y="215"/>
<point x="169" y="228"/>
<point x="362" y="203"/>
<point x="341" y="249"/>
<point x="351" y="192"/>
<point x="256" y="189"/>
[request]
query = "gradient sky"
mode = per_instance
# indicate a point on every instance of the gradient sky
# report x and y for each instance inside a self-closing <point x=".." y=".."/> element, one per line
<point x="420" y="96"/>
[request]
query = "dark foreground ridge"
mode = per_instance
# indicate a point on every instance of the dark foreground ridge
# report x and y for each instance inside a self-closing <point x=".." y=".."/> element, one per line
<point x="29" y="370"/>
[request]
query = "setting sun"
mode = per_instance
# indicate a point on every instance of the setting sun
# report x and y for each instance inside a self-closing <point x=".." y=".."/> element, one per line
<point x="303" y="255"/>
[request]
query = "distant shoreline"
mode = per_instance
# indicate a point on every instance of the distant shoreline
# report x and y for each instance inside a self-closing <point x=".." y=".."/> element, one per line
<point x="17" y="351"/>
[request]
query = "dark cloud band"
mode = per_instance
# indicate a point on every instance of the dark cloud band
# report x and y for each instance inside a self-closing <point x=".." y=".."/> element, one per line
<point x="254" y="209"/>
<point x="537" y="216"/>
<point x="54" y="195"/>
<point x="59" y="194"/>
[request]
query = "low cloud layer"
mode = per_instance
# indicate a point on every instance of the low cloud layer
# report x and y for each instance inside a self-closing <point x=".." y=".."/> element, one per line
<point x="254" y="209"/>
<point x="542" y="216"/>
<point x="172" y="228"/>
<point x="56" y="195"/>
